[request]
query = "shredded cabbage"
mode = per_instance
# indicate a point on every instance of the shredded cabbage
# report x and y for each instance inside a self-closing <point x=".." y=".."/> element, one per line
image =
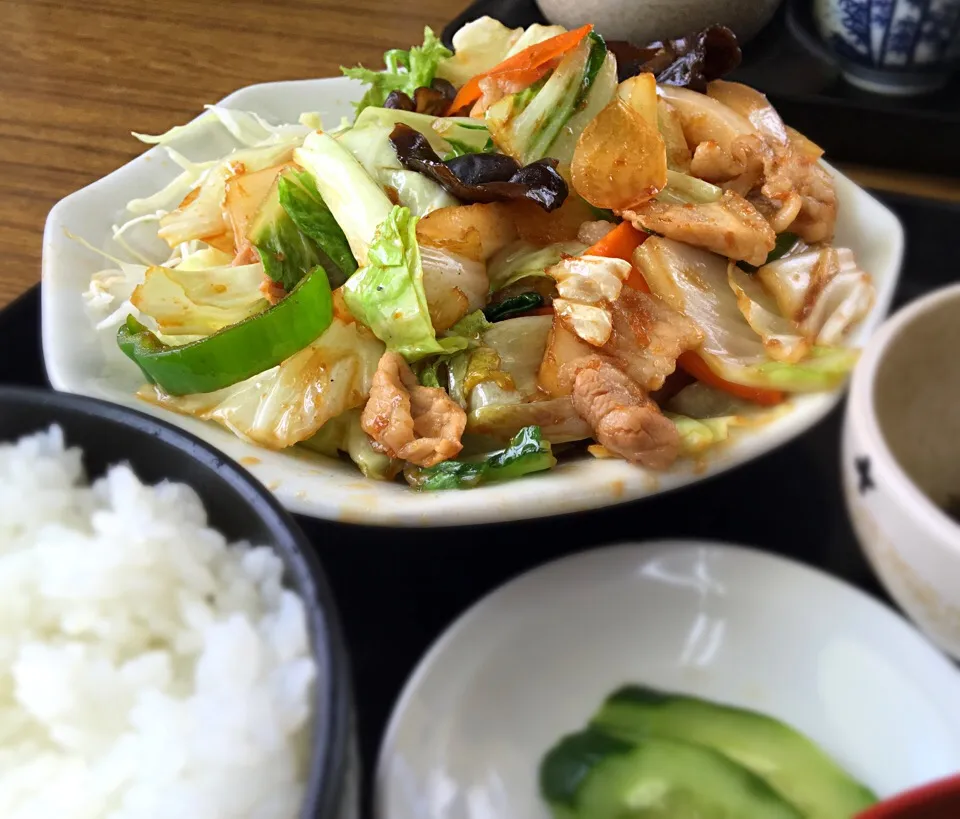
<point x="246" y="127"/>
<point x="169" y="196"/>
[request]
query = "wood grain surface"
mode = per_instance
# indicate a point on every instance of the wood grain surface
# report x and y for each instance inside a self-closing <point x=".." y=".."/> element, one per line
<point x="76" y="76"/>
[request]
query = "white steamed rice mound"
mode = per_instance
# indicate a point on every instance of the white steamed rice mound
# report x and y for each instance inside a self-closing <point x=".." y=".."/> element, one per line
<point x="148" y="669"/>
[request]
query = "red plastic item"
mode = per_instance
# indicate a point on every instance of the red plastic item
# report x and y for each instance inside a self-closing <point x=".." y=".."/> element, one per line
<point x="937" y="800"/>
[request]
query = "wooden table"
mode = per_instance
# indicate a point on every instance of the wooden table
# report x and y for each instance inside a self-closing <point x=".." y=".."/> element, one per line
<point x="76" y="76"/>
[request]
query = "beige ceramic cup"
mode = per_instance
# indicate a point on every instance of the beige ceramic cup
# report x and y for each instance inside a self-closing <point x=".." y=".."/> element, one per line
<point x="641" y="21"/>
<point x="901" y="461"/>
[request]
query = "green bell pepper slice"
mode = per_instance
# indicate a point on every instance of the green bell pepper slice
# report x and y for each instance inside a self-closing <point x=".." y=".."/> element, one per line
<point x="239" y="351"/>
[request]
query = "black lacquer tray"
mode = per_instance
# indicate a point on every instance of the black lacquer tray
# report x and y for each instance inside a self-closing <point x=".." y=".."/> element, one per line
<point x="398" y="589"/>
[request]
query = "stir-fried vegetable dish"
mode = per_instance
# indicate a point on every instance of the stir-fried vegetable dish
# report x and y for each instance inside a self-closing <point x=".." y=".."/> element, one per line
<point x="539" y="242"/>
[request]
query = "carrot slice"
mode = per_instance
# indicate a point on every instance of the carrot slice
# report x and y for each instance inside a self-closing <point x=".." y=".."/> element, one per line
<point x="637" y="282"/>
<point x="523" y="68"/>
<point x="699" y="369"/>
<point x="619" y="243"/>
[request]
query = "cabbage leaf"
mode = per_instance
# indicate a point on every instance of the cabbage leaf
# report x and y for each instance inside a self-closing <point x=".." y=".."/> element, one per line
<point x="302" y="202"/>
<point x="443" y="133"/>
<point x="292" y="401"/>
<point x="695" y="282"/>
<point x="294" y="231"/>
<point x="822" y="289"/>
<point x="478" y="46"/>
<point x="781" y="337"/>
<point x="199" y="302"/>
<point x="356" y="201"/>
<point x="521" y="259"/>
<point x="345" y="434"/>
<point x="371" y="147"/>
<point x="388" y="295"/>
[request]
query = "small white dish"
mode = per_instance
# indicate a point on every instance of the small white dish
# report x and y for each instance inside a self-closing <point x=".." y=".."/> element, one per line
<point x="901" y="461"/>
<point x="78" y="361"/>
<point x="534" y="659"/>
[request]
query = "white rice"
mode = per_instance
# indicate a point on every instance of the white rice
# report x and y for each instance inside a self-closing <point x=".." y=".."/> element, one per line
<point x="147" y="667"/>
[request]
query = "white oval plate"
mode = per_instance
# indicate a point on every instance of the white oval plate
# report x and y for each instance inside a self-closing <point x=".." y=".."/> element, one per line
<point x="78" y="361"/>
<point x="533" y="660"/>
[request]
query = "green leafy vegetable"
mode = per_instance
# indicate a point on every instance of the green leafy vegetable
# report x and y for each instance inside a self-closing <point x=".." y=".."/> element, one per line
<point x="508" y="308"/>
<point x="284" y="251"/>
<point x="823" y="369"/>
<point x="236" y="352"/>
<point x="406" y="71"/>
<point x="301" y="200"/>
<point x="294" y="231"/>
<point x="459" y="148"/>
<point x="429" y="373"/>
<point x="387" y="294"/>
<point x="469" y="329"/>
<point x="698" y="435"/>
<point x="527" y="453"/>
<point x="471" y="326"/>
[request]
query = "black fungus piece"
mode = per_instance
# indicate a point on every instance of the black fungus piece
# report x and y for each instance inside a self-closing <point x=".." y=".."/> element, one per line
<point x="481" y="177"/>
<point x="433" y="99"/>
<point x="691" y="61"/>
<point x="399" y="101"/>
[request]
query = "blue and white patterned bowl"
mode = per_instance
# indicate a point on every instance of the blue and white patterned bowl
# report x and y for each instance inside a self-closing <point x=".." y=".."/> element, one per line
<point x="892" y="46"/>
